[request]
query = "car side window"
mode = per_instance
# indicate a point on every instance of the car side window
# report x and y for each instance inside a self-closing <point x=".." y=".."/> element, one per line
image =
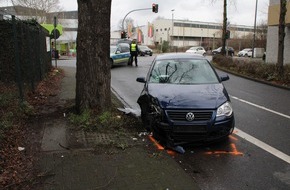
<point x="125" y="49"/>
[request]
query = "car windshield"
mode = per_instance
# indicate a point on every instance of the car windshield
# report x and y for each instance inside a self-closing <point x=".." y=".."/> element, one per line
<point x="187" y="71"/>
<point x="113" y="49"/>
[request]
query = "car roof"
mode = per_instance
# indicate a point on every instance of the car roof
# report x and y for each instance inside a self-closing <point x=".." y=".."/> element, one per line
<point x="179" y="56"/>
<point x="127" y="41"/>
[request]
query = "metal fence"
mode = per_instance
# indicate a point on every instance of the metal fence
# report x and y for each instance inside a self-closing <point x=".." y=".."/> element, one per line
<point x="25" y="56"/>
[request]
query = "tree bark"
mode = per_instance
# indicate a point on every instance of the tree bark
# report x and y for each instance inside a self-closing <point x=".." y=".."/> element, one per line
<point x="93" y="73"/>
<point x="280" y="61"/>
<point x="223" y="51"/>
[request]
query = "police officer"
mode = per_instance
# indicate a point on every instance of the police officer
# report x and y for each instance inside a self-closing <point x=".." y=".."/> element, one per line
<point x="134" y="52"/>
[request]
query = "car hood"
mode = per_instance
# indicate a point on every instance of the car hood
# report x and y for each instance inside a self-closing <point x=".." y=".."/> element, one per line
<point x="205" y="96"/>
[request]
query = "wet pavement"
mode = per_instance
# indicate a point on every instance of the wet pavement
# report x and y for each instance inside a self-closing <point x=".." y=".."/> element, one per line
<point x="79" y="160"/>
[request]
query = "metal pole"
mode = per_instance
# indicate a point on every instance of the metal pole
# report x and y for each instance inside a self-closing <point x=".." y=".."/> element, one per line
<point x="254" y="40"/>
<point x="172" y="30"/>
<point x="55" y="52"/>
<point x="201" y="37"/>
<point x="17" y="61"/>
<point x="131" y="12"/>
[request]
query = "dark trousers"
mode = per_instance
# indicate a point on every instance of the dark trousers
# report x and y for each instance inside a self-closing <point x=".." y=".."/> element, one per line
<point x="134" y="55"/>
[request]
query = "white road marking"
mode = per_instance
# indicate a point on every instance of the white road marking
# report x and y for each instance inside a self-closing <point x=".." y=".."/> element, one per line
<point x="256" y="141"/>
<point x="263" y="145"/>
<point x="261" y="107"/>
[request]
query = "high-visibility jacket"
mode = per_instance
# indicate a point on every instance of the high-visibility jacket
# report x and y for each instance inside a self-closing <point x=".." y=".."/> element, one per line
<point x="133" y="47"/>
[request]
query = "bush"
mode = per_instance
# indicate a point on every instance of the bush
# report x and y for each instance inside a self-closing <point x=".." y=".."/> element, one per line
<point x="252" y="68"/>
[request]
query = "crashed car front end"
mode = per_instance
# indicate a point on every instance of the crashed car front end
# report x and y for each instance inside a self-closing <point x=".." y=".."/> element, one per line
<point x="183" y="126"/>
<point x="184" y="100"/>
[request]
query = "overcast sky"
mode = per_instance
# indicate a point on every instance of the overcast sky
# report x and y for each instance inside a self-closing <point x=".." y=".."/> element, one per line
<point x="241" y="12"/>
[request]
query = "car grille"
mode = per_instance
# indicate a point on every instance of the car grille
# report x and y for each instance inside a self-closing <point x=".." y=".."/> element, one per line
<point x="177" y="116"/>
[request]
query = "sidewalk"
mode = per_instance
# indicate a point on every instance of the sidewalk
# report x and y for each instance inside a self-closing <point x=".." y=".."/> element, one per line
<point x="78" y="160"/>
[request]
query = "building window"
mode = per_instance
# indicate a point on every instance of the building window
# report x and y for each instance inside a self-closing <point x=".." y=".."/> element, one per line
<point x="156" y="30"/>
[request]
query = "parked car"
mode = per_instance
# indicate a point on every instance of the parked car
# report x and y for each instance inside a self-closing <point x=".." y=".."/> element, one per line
<point x="247" y="52"/>
<point x="183" y="100"/>
<point x="229" y="50"/>
<point x="197" y="50"/>
<point x="145" y="50"/>
<point x="119" y="54"/>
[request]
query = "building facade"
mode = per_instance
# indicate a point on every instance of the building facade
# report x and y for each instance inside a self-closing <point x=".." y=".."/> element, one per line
<point x="273" y="33"/>
<point x="183" y="33"/>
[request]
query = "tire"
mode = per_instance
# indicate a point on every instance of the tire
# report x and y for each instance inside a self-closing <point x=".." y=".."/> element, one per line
<point x="145" y="118"/>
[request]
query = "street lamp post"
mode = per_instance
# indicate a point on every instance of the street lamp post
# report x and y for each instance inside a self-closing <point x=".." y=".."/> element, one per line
<point x="172" y="27"/>
<point x="201" y="37"/>
<point x="254" y="37"/>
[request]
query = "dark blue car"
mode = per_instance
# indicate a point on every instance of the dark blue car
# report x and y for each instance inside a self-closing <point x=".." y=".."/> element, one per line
<point x="184" y="100"/>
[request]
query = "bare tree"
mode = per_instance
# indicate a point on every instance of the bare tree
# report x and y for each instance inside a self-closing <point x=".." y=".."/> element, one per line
<point x="127" y="21"/>
<point x="280" y="62"/>
<point x="93" y="74"/>
<point x="261" y="35"/>
<point x="38" y="8"/>
<point x="224" y="27"/>
<point x="225" y="21"/>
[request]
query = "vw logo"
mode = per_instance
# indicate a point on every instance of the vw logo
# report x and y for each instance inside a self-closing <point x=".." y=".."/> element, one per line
<point x="189" y="116"/>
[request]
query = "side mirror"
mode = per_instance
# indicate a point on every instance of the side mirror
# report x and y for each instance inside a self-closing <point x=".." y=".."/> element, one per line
<point x="141" y="79"/>
<point x="224" y="78"/>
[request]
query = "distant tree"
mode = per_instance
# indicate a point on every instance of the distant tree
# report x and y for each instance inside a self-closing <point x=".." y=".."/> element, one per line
<point x="225" y="21"/>
<point x="127" y="21"/>
<point x="224" y="27"/>
<point x="39" y="8"/>
<point x="280" y="61"/>
<point x="128" y="24"/>
<point x="261" y="34"/>
<point x="93" y="72"/>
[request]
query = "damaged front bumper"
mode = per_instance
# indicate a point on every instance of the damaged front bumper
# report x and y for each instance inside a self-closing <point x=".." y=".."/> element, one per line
<point x="182" y="133"/>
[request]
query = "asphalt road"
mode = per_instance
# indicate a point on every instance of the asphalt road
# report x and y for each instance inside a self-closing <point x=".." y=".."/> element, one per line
<point x="256" y="156"/>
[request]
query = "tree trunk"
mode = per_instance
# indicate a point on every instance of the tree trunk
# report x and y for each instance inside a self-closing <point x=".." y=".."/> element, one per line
<point x="224" y="29"/>
<point x="93" y="73"/>
<point x="280" y="61"/>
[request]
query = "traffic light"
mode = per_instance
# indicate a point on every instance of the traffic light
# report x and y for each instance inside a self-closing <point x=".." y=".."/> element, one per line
<point x="155" y="8"/>
<point x="228" y="34"/>
<point x="123" y="34"/>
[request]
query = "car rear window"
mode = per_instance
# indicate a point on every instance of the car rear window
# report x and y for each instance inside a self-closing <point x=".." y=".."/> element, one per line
<point x="183" y="72"/>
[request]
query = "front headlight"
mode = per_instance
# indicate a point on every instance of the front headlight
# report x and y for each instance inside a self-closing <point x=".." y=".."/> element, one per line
<point x="224" y="110"/>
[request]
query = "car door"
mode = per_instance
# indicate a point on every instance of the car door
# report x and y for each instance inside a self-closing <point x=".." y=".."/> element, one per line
<point x="124" y="52"/>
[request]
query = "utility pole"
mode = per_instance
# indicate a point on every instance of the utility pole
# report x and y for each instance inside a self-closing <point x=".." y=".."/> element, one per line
<point x="55" y="52"/>
<point x="254" y="37"/>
